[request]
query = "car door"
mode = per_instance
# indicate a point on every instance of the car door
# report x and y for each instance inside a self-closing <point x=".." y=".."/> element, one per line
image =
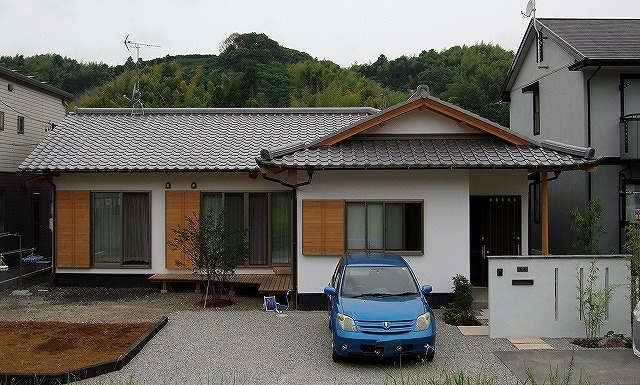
<point x="335" y="283"/>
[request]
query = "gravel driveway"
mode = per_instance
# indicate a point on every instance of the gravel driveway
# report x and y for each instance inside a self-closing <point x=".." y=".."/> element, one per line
<point x="242" y="344"/>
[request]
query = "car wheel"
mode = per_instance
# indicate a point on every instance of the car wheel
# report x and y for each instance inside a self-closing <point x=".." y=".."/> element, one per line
<point x="430" y="356"/>
<point x="335" y="356"/>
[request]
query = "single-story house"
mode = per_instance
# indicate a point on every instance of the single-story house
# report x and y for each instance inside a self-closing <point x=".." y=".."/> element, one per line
<point x="424" y="178"/>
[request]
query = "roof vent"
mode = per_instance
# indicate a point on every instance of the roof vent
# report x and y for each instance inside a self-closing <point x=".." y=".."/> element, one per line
<point x="585" y="152"/>
<point x="270" y="153"/>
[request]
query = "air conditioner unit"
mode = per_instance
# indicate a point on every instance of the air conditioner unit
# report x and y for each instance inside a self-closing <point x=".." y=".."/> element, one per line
<point x="630" y="136"/>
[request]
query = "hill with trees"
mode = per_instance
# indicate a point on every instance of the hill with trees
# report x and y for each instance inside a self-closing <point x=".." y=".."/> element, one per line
<point x="252" y="70"/>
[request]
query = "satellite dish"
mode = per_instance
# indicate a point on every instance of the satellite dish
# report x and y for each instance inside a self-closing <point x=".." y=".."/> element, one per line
<point x="531" y="8"/>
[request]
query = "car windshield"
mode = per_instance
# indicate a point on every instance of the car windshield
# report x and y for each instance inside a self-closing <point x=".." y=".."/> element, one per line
<point x="378" y="281"/>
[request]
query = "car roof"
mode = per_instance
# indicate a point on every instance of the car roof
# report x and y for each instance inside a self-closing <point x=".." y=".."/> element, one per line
<point x="374" y="259"/>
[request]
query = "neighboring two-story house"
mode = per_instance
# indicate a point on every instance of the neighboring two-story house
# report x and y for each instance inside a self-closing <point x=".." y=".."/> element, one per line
<point x="29" y="110"/>
<point x="577" y="81"/>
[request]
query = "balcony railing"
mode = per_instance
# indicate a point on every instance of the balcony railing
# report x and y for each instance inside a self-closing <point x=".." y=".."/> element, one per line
<point x="630" y="136"/>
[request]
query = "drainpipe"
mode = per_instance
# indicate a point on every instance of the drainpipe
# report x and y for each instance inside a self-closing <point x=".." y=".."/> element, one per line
<point x="589" y="126"/>
<point x="294" y="214"/>
<point x="53" y="230"/>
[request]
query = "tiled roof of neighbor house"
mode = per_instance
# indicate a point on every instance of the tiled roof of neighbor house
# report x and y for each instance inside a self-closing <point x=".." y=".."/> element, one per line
<point x="179" y="139"/>
<point x="30" y="82"/>
<point x="432" y="153"/>
<point x="599" y="38"/>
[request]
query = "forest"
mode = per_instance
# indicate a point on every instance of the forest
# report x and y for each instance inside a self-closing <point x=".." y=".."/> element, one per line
<point x="252" y="70"/>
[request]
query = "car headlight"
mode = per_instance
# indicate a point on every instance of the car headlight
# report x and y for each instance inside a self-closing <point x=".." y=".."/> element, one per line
<point x="423" y="322"/>
<point x="346" y="323"/>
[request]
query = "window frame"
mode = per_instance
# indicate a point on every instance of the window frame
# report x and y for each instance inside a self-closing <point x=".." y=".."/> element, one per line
<point x="2" y="212"/>
<point x="246" y="200"/>
<point x="121" y="264"/>
<point x="20" y="126"/>
<point x="1" y="120"/>
<point x="622" y="88"/>
<point x="384" y="248"/>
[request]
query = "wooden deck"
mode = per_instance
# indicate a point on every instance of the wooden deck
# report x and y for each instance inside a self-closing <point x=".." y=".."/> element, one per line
<point x="268" y="284"/>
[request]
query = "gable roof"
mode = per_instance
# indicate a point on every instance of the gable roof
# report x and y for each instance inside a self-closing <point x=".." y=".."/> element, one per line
<point x="32" y="83"/>
<point x="495" y="147"/>
<point x="182" y="139"/>
<point x="591" y="42"/>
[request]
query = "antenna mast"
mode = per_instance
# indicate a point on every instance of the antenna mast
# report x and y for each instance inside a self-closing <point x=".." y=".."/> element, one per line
<point x="136" y="95"/>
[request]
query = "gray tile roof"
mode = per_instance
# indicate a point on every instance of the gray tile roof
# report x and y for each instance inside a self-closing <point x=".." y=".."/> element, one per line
<point x="180" y="139"/>
<point x="599" y="38"/>
<point x="429" y="153"/>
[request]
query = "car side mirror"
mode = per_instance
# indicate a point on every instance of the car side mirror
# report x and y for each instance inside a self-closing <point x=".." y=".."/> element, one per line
<point x="426" y="289"/>
<point x="329" y="290"/>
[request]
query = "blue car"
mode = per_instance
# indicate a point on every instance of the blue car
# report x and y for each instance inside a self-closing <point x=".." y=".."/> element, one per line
<point x="377" y="309"/>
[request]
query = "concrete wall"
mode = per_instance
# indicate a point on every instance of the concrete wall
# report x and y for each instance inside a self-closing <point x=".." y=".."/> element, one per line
<point x="548" y="306"/>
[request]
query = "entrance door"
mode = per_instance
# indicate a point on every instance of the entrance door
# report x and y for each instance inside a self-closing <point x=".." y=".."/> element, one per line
<point x="495" y="226"/>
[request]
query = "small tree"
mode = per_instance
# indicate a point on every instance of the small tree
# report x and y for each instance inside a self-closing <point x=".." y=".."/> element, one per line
<point x="588" y="228"/>
<point x="593" y="303"/>
<point x="213" y="249"/>
<point x="461" y="310"/>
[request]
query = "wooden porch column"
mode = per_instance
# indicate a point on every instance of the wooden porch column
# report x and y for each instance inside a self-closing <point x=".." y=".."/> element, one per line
<point x="544" y="211"/>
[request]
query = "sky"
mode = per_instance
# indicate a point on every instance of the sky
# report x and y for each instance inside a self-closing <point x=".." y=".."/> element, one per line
<point x="346" y="32"/>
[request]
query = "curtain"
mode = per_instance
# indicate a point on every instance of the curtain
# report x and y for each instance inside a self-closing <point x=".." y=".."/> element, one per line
<point x="393" y="226"/>
<point x="107" y="230"/>
<point x="212" y="202"/>
<point x="356" y="226"/>
<point x="234" y="210"/>
<point x="135" y="212"/>
<point x="280" y="228"/>
<point x="375" y="228"/>
<point x="258" y="228"/>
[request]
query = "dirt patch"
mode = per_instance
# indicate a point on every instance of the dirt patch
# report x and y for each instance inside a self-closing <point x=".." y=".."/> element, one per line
<point x="54" y="347"/>
<point x="214" y="302"/>
<point x="57" y="328"/>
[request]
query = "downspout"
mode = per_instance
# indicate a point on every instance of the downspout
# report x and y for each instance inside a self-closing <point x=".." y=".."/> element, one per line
<point x="294" y="214"/>
<point x="53" y="230"/>
<point x="589" y="126"/>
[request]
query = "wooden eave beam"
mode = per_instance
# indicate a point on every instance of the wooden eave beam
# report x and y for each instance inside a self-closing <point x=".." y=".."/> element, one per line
<point x="272" y="170"/>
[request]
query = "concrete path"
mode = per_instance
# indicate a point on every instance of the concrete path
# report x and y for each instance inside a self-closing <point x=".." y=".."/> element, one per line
<point x="598" y="366"/>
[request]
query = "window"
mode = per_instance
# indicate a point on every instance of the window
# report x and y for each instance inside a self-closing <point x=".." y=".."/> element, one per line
<point x="20" y="124"/>
<point x="267" y="216"/>
<point x="534" y="89"/>
<point x="1" y="121"/>
<point x="384" y="226"/>
<point x="120" y="229"/>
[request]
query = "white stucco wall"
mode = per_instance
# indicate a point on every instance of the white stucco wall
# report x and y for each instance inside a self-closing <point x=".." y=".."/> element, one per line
<point x="154" y="183"/>
<point x="548" y="307"/>
<point x="421" y="122"/>
<point x="445" y="194"/>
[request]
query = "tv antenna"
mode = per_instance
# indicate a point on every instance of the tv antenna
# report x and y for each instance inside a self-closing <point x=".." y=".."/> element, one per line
<point x="136" y="95"/>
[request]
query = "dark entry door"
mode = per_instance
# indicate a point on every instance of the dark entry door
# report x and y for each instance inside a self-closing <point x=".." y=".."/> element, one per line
<point x="495" y="228"/>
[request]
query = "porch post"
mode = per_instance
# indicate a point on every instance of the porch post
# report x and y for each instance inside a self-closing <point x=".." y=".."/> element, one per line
<point x="544" y="211"/>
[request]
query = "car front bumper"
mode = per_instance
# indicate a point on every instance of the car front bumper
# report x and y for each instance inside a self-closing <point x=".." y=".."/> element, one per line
<point x="384" y="345"/>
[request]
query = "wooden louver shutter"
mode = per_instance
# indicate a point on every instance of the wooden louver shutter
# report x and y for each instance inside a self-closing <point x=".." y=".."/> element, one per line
<point x="322" y="227"/>
<point x="178" y="205"/>
<point x="73" y="218"/>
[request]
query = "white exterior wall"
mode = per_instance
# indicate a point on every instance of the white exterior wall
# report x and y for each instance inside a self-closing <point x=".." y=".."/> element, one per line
<point x="549" y="307"/>
<point x="445" y="194"/>
<point x="38" y="109"/>
<point x="562" y="97"/>
<point x="154" y="183"/>
<point x="421" y="122"/>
